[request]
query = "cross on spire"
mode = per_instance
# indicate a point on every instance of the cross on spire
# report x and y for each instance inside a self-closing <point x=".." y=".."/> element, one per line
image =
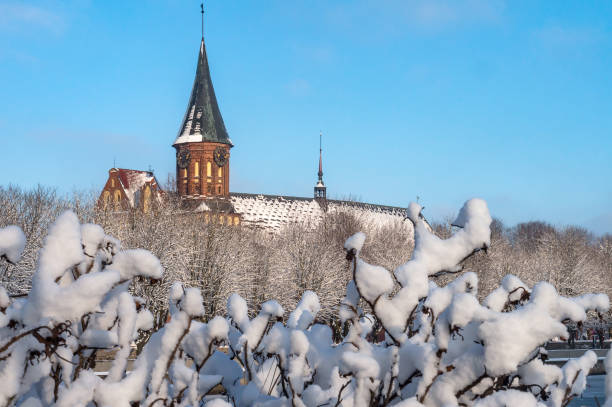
<point x="320" y="173"/>
<point x="202" y="11"/>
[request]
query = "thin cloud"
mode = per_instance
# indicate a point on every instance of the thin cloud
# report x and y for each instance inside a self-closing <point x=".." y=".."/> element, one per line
<point x="441" y="14"/>
<point x="392" y="16"/>
<point x="558" y="36"/>
<point x="18" y="17"/>
<point x="299" y="87"/>
<point x="320" y="54"/>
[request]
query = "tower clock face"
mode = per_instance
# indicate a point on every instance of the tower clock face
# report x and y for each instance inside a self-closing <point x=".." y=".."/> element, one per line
<point x="220" y="156"/>
<point x="183" y="159"/>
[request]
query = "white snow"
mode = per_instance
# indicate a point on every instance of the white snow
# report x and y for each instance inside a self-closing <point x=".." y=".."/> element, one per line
<point x="305" y="312"/>
<point x="442" y="347"/>
<point x="274" y="212"/>
<point x="12" y="243"/>
<point x="355" y="242"/>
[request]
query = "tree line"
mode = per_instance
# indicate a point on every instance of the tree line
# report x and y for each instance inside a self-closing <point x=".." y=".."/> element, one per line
<point x="259" y="265"/>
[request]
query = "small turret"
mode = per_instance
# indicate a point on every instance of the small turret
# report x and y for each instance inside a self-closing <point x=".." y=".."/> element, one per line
<point x="320" y="190"/>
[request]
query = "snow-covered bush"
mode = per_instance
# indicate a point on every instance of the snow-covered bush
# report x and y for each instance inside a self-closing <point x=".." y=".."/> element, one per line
<point x="441" y="346"/>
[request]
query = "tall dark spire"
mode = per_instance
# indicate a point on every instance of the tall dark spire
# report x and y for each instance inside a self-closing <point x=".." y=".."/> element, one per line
<point x="320" y="190"/>
<point x="203" y="120"/>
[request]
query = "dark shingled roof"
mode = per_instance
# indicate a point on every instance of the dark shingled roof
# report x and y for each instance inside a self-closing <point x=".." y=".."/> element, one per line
<point x="202" y="121"/>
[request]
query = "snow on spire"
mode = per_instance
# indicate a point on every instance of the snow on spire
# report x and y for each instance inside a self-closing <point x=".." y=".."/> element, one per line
<point x="203" y="120"/>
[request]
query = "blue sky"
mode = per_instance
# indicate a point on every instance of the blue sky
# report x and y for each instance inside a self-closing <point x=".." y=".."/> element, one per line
<point x="510" y="101"/>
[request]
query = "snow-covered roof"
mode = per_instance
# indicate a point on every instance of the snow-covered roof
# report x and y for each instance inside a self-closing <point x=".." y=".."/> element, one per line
<point x="272" y="212"/>
<point x="132" y="182"/>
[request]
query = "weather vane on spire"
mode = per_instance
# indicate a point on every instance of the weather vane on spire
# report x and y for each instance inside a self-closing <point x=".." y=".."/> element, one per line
<point x="320" y="173"/>
<point x="202" y="11"/>
<point x="320" y="137"/>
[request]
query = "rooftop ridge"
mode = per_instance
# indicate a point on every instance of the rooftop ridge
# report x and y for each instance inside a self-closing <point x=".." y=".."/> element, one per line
<point x="300" y="198"/>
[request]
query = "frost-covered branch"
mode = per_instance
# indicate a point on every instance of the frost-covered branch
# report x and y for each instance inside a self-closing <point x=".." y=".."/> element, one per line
<point x="441" y="345"/>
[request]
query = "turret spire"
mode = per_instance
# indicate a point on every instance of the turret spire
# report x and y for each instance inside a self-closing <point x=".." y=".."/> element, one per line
<point x="320" y="190"/>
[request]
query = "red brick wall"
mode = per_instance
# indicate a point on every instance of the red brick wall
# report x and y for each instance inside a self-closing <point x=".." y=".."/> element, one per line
<point x="199" y="185"/>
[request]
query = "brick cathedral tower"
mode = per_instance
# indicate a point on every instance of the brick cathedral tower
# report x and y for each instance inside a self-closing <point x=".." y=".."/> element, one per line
<point x="202" y="145"/>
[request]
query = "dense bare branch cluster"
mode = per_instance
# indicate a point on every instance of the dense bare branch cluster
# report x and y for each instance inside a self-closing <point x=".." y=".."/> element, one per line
<point x="570" y="258"/>
<point x="221" y="260"/>
<point x="441" y="345"/>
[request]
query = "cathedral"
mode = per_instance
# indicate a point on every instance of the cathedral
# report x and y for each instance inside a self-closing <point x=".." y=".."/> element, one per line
<point x="203" y="151"/>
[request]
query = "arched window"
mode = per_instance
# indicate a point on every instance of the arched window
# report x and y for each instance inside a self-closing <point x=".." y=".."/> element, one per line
<point x="112" y="183"/>
<point x="220" y="172"/>
<point x="219" y="190"/>
<point x="117" y="198"/>
<point x="146" y="199"/>
<point x="196" y="171"/>
<point x="184" y="172"/>
<point x="208" y="169"/>
<point x="236" y="221"/>
<point x="106" y="199"/>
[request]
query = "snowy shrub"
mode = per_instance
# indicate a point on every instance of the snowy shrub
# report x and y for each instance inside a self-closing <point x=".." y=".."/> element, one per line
<point x="441" y="346"/>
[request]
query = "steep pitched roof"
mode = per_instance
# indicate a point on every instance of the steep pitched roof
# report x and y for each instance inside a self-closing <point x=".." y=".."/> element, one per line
<point x="202" y="121"/>
<point x="133" y="180"/>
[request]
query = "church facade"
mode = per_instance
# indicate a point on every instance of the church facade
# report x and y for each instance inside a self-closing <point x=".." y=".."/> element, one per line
<point x="202" y="147"/>
<point x="130" y="189"/>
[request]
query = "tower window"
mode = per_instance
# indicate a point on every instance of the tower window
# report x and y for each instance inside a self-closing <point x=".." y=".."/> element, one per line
<point x="184" y="172"/>
<point x="112" y="183"/>
<point x="219" y="190"/>
<point x="208" y="169"/>
<point x="196" y="171"/>
<point x="220" y="172"/>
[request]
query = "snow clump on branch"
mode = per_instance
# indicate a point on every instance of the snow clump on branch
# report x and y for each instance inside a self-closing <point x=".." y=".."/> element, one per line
<point x="440" y="346"/>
